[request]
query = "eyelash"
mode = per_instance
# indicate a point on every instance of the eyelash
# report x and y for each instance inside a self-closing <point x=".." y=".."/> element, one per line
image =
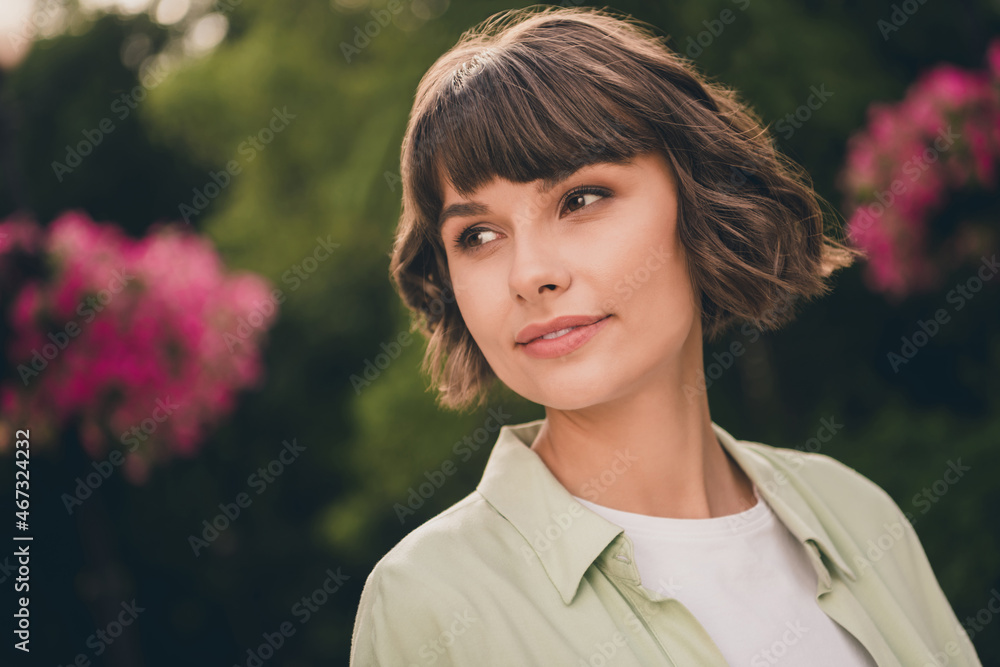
<point x="468" y="231"/>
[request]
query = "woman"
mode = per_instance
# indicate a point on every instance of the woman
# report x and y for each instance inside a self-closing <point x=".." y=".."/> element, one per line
<point x="580" y="209"/>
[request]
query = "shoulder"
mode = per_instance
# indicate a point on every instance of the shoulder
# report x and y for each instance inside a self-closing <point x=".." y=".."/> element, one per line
<point x="823" y="480"/>
<point x="468" y="532"/>
<point x="862" y="521"/>
<point x="431" y="583"/>
<point x="876" y="538"/>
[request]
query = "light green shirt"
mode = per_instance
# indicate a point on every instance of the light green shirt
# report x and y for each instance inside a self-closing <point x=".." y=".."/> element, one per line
<point x="520" y="573"/>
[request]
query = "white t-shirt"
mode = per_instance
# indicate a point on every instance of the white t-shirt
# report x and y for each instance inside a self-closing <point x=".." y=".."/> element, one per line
<point x="746" y="566"/>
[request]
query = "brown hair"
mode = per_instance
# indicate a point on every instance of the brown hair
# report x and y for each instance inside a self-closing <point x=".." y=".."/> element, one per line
<point x="537" y="94"/>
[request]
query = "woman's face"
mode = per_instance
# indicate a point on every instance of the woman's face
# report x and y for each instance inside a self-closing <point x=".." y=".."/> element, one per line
<point x="602" y="243"/>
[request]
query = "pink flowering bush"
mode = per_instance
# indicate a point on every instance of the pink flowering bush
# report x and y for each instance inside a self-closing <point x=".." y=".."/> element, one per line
<point x="902" y="170"/>
<point x="143" y="344"/>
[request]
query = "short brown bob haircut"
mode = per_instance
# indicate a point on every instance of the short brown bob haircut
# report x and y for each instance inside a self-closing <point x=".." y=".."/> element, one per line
<point x="538" y="93"/>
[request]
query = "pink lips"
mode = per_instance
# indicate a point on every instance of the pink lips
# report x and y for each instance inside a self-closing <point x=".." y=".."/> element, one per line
<point x="533" y="331"/>
<point x="584" y="328"/>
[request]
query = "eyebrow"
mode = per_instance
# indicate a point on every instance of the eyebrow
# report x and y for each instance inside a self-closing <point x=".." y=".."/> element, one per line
<point x="462" y="209"/>
<point x="477" y="208"/>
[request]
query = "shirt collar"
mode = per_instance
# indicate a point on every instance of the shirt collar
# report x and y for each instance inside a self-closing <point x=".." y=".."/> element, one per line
<point x="568" y="537"/>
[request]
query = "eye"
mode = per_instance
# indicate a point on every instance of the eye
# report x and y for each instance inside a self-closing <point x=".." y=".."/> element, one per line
<point x="574" y="201"/>
<point x="462" y="241"/>
<point x="584" y="197"/>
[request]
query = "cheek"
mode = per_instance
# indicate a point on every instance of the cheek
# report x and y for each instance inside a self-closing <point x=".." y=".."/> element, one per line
<point x="664" y="299"/>
<point x="477" y="299"/>
<point x="465" y="285"/>
<point x="677" y="310"/>
<point x="616" y="265"/>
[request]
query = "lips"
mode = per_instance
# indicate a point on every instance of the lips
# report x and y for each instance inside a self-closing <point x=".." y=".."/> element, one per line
<point x="533" y="331"/>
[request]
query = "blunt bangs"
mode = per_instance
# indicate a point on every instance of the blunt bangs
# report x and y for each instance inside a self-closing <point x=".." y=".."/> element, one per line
<point x="518" y="118"/>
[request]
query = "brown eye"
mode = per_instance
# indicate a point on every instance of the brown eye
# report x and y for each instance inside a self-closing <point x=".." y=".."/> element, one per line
<point x="584" y="197"/>
<point x="463" y="240"/>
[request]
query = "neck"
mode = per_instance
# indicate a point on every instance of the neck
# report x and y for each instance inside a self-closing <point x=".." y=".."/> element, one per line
<point x="651" y="452"/>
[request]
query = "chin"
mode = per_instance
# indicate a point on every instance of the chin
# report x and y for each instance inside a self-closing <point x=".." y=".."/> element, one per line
<point x="574" y="395"/>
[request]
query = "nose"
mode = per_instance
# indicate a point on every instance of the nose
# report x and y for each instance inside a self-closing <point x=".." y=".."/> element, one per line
<point x="538" y="262"/>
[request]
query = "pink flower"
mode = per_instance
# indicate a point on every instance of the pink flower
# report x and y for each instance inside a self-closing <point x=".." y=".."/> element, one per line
<point x="983" y="153"/>
<point x="901" y="170"/>
<point x="19" y="232"/>
<point x="26" y="305"/>
<point x="993" y="58"/>
<point x="133" y="338"/>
